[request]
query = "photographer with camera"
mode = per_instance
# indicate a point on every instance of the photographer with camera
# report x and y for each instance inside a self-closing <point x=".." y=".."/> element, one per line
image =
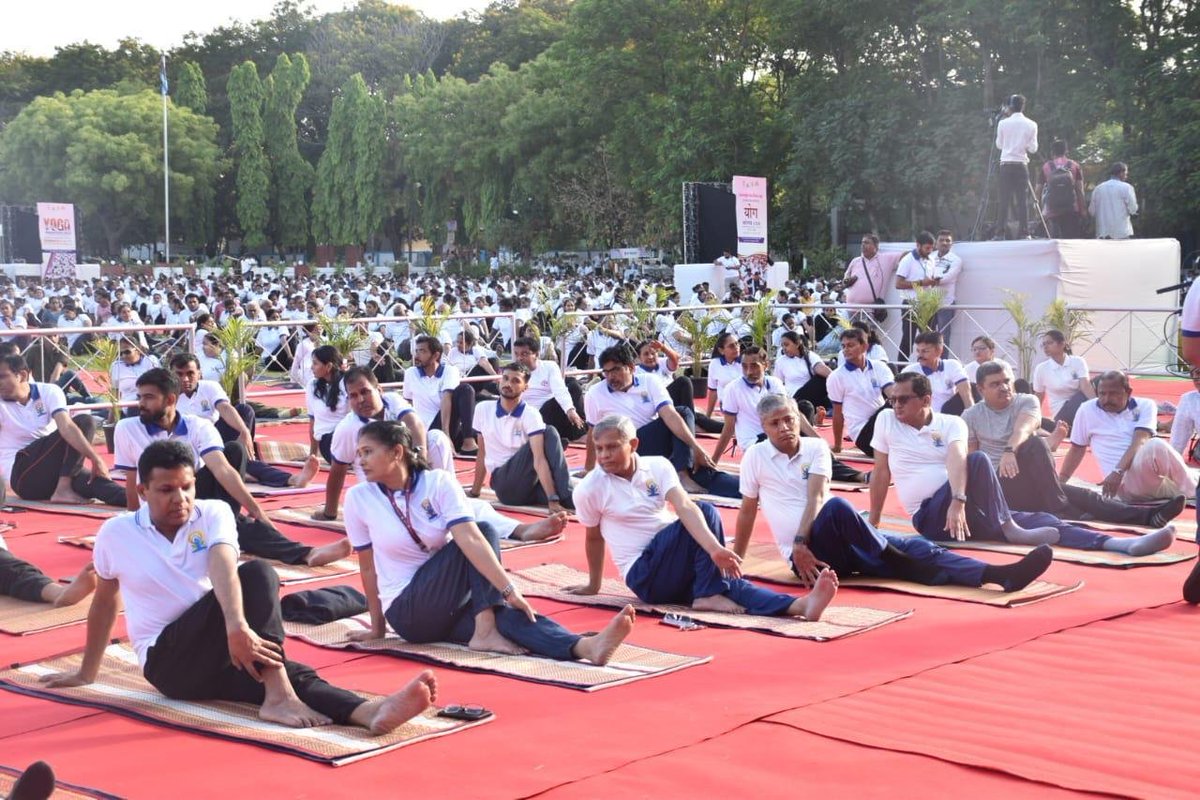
<point x="865" y="280"/>
<point x="1016" y="137"/>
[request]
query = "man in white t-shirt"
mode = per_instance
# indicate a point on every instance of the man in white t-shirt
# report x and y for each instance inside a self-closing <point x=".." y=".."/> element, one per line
<point x="524" y="456"/>
<point x="203" y="627"/>
<point x="917" y="269"/>
<point x="42" y="447"/>
<point x="1006" y="427"/>
<point x="951" y="494"/>
<point x="473" y="360"/>
<point x="951" y="389"/>
<point x="857" y="390"/>
<point x="440" y="398"/>
<point x="787" y="476"/>
<point x="219" y="468"/>
<point x="740" y="398"/>
<point x="1016" y="138"/>
<point x="662" y="429"/>
<point x="207" y="399"/>
<point x="1120" y="429"/>
<point x="660" y="552"/>
<point x="947" y="269"/>
<point x="131" y="365"/>
<point x="559" y="400"/>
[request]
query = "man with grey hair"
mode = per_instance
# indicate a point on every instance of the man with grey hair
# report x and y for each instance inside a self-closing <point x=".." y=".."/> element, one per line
<point x="1120" y="429"/>
<point x="788" y="475"/>
<point x="675" y="555"/>
<point x="1006" y="427"/>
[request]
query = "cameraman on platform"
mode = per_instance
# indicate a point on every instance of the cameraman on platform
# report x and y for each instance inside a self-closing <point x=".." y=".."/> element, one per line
<point x="1016" y="136"/>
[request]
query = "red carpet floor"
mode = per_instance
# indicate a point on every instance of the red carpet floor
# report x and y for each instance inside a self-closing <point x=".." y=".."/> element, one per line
<point x="731" y="728"/>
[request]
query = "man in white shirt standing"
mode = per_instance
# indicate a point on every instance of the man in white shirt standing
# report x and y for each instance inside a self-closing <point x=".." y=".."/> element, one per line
<point x="1113" y="204"/>
<point x="947" y="269"/>
<point x="1120" y="429"/>
<point x="788" y="475"/>
<point x="1016" y="137"/>
<point x="951" y="494"/>
<point x="203" y="627"/>
<point x="668" y="556"/>
<point x="917" y="269"/>
<point x="524" y="455"/>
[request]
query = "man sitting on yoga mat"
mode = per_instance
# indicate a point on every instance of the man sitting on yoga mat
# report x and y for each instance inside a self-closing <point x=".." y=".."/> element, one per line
<point x="857" y="389"/>
<point x="951" y="389"/>
<point x="42" y="446"/>
<point x="669" y="556"/>
<point x="203" y="627"/>
<point x="368" y="403"/>
<point x="219" y="467"/>
<point x="23" y="581"/>
<point x="523" y="454"/>
<point x="431" y="586"/>
<point x="952" y="494"/>
<point x="787" y="476"/>
<point x="739" y="407"/>
<point x="1120" y="429"/>
<point x="207" y="399"/>
<point x="1006" y="427"/>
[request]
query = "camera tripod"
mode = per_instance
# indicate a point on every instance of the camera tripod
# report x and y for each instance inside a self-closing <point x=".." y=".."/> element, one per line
<point x="985" y="229"/>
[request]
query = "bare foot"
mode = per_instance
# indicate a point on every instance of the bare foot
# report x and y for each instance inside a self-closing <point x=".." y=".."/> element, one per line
<point x="542" y="529"/>
<point x="328" y="553"/>
<point x="812" y="605"/>
<point x="493" y="642"/>
<point x="83" y="585"/>
<point x="398" y="708"/>
<point x="309" y="471"/>
<point x="819" y="417"/>
<point x="690" y="486"/>
<point x="717" y="602"/>
<point x="69" y="497"/>
<point x="599" y="648"/>
<point x="292" y="713"/>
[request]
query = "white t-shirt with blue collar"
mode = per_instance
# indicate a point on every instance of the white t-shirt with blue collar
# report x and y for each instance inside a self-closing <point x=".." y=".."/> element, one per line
<point x="203" y="402"/>
<point x="504" y="433"/>
<point x="640" y="402"/>
<point x="859" y="391"/>
<point x="1108" y="434"/>
<point x="741" y="399"/>
<point x="23" y="423"/>
<point x="944" y="379"/>
<point x="132" y="436"/>
<point x="425" y="391"/>
<point x="917" y="456"/>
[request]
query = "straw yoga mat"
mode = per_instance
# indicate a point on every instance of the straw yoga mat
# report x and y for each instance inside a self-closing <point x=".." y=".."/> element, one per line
<point x="285" y="454"/>
<point x="1092" y="558"/>
<point x="62" y="790"/>
<point x="630" y="663"/>
<point x="762" y="562"/>
<point x="302" y="515"/>
<point x="93" y="510"/>
<point x="288" y="573"/>
<point x="1185" y="527"/>
<point x="256" y="489"/>
<point x="547" y="581"/>
<point x="120" y="688"/>
<point x="21" y="618"/>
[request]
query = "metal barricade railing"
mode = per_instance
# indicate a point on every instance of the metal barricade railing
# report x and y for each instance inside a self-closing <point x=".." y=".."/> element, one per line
<point x="1137" y="341"/>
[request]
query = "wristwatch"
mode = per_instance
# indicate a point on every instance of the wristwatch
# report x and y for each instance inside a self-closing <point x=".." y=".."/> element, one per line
<point x="1009" y="449"/>
<point x="962" y="498"/>
<point x="552" y="498"/>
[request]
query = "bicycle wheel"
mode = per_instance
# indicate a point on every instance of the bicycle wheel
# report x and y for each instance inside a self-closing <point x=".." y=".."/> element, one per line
<point x="1173" y="338"/>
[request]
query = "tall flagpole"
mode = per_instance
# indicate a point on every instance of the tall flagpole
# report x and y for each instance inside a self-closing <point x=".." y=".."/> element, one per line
<point x="162" y="77"/>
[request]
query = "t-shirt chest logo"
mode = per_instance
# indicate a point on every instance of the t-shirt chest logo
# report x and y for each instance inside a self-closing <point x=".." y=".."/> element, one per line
<point x="652" y="489"/>
<point x="428" y="508"/>
<point x="645" y="396"/>
<point x="937" y="440"/>
<point x="39" y="408"/>
<point x="205" y="406"/>
<point x="196" y="543"/>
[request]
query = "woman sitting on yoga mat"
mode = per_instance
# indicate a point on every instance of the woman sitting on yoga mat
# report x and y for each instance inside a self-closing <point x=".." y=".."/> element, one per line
<point x="415" y="575"/>
<point x="326" y="399"/>
<point x="1063" y="377"/>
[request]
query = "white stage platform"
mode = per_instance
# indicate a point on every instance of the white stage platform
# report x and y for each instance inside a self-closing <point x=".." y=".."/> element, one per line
<point x="1084" y="272"/>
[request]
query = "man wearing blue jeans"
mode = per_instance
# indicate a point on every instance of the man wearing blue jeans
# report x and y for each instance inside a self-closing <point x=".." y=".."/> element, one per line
<point x="951" y="494"/>
<point x="673" y="556"/>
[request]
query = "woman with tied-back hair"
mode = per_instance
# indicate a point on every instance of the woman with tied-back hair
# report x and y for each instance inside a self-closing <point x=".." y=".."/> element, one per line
<point x="421" y="552"/>
<point x="326" y="399"/>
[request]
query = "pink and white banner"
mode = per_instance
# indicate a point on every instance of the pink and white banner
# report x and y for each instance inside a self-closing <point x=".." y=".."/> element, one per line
<point x="56" y="224"/>
<point x="751" y="209"/>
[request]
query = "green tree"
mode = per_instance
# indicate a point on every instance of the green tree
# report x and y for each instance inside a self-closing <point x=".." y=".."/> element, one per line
<point x="508" y="32"/>
<point x="102" y="151"/>
<point x="190" y="88"/>
<point x="291" y="175"/>
<point x="348" y="203"/>
<point x="253" y="179"/>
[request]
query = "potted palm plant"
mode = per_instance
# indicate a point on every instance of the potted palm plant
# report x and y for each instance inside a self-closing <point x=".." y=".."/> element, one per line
<point x="105" y="352"/>
<point x="1025" y="335"/>
<point x="762" y="322"/>
<point x="238" y="354"/>
<point x="429" y="321"/>
<point x="346" y="335"/>
<point x="696" y="325"/>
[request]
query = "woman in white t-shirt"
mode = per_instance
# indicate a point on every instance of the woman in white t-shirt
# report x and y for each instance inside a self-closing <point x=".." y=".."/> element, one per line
<point x="725" y="366"/>
<point x="1062" y="377"/>
<point x="420" y="552"/>
<point x="326" y="399"/>
<point x="803" y="373"/>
